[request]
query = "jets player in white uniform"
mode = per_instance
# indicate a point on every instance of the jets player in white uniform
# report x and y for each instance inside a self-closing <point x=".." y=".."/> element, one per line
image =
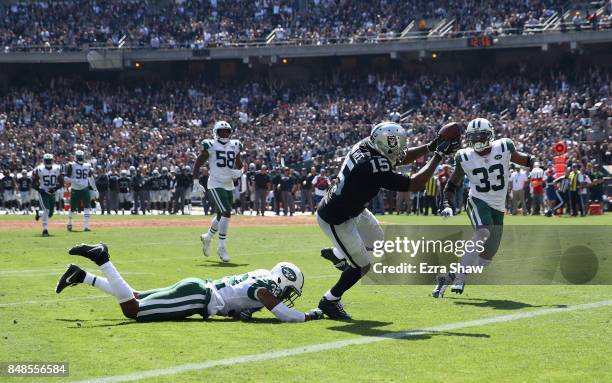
<point x="47" y="178"/>
<point x="80" y="176"/>
<point x="486" y="163"/>
<point x="237" y="296"/>
<point x="225" y="165"/>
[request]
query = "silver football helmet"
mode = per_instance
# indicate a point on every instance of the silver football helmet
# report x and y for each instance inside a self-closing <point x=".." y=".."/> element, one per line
<point x="389" y="139"/>
<point x="479" y="134"/>
<point x="222" y="125"/>
<point x="290" y="281"/>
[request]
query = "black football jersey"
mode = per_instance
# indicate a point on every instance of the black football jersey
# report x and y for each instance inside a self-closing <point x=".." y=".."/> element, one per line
<point x="165" y="182"/>
<point x="363" y="173"/>
<point x="124" y="184"/>
<point x="25" y="184"/>
<point x="7" y="183"/>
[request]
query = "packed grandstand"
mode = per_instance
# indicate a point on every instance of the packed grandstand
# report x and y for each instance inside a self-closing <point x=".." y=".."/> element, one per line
<point x="288" y="112"/>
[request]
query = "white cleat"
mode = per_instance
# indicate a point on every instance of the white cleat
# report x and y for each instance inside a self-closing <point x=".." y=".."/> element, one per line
<point x="458" y="286"/>
<point x="222" y="253"/>
<point x="206" y="240"/>
<point x="442" y="282"/>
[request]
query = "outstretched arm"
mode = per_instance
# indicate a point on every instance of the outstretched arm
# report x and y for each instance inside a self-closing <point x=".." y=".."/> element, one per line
<point x="282" y="312"/>
<point x="413" y="153"/>
<point x="522" y="159"/>
<point x="418" y="180"/>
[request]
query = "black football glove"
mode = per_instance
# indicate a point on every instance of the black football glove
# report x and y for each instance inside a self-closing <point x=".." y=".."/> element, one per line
<point x="448" y="147"/>
<point x="315" y="314"/>
<point x="431" y="146"/>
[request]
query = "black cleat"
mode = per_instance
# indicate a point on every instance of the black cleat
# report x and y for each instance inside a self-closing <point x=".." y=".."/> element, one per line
<point x="45" y="233"/>
<point x="333" y="309"/>
<point x="98" y="253"/>
<point x="73" y="276"/>
<point x="340" y="264"/>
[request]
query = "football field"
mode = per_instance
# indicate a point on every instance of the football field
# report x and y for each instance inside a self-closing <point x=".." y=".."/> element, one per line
<point x="399" y="333"/>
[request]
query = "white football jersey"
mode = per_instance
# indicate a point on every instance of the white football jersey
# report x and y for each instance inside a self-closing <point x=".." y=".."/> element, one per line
<point x="236" y="293"/>
<point x="79" y="175"/>
<point x="48" y="177"/>
<point x="488" y="174"/>
<point x="221" y="161"/>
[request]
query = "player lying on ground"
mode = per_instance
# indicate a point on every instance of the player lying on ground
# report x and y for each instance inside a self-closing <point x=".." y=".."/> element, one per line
<point x="236" y="296"/>
<point x="225" y="165"/>
<point x="342" y="215"/>
<point x="486" y="163"/>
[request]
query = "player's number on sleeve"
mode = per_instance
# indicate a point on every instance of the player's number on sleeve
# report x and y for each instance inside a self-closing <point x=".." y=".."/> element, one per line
<point x="49" y="180"/>
<point x="380" y="165"/>
<point x="225" y="159"/>
<point x="495" y="171"/>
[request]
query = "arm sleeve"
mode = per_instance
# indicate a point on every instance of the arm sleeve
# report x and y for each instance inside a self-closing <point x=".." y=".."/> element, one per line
<point x="286" y="314"/>
<point x="394" y="181"/>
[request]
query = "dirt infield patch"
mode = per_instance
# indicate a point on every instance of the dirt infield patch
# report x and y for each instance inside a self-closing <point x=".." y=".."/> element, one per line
<point x="155" y="221"/>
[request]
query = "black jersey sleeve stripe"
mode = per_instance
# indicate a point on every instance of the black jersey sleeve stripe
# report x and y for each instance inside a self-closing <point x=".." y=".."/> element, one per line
<point x="342" y="246"/>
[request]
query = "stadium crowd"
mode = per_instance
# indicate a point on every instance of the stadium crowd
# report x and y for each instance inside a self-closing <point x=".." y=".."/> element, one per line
<point x="156" y="126"/>
<point x="69" y="25"/>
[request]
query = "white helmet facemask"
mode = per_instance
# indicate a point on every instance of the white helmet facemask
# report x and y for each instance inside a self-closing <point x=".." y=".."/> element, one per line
<point x="222" y="125"/>
<point x="479" y="134"/>
<point x="290" y="281"/>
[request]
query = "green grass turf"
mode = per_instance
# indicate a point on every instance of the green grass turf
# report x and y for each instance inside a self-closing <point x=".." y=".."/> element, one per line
<point x="88" y="330"/>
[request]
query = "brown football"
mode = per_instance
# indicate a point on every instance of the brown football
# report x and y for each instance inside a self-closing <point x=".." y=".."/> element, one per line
<point x="451" y="130"/>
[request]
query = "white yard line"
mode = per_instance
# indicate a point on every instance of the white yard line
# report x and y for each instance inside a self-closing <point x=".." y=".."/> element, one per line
<point x="51" y="301"/>
<point x="338" y="344"/>
<point x="58" y="273"/>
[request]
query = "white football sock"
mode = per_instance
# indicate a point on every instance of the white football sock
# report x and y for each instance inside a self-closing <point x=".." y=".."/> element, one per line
<point x="214" y="226"/>
<point x="223" y="228"/>
<point x="330" y="297"/>
<point x="70" y="216"/>
<point x="121" y="290"/>
<point x="45" y="219"/>
<point x="338" y="253"/>
<point x="99" y="282"/>
<point x="86" y="216"/>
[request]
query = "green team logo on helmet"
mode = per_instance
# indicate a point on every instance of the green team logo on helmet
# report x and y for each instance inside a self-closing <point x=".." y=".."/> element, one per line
<point x="289" y="274"/>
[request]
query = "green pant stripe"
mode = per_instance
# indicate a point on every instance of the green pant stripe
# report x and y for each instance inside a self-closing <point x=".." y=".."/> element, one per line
<point x="78" y="196"/>
<point x="47" y="201"/>
<point x="222" y="198"/>
<point x="183" y="299"/>
<point x="148" y="303"/>
<point x="217" y="200"/>
<point x="475" y="216"/>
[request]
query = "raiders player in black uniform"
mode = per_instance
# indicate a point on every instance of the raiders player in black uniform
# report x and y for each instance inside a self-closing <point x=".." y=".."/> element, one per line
<point x="25" y="190"/>
<point x="342" y="215"/>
